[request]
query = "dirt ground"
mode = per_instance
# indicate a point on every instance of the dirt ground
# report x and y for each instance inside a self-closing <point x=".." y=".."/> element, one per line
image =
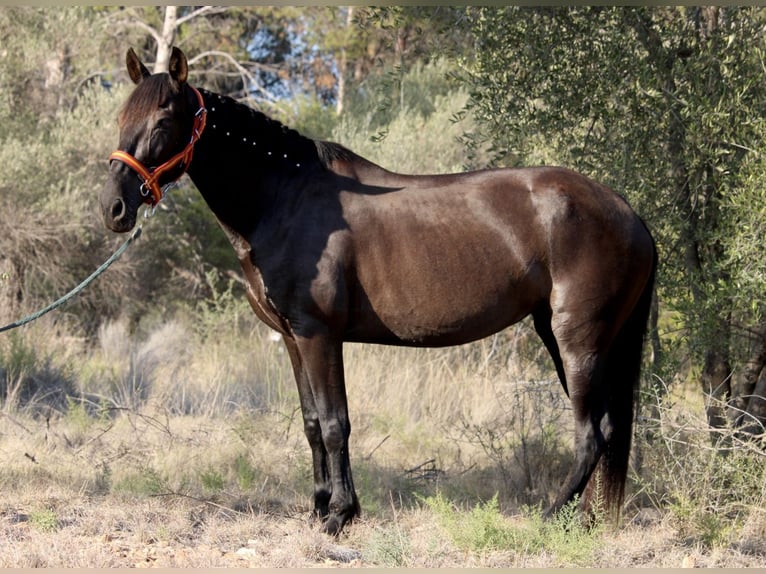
<point x="182" y="533"/>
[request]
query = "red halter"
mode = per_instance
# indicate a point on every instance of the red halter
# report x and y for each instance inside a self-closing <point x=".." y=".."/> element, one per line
<point x="150" y="188"/>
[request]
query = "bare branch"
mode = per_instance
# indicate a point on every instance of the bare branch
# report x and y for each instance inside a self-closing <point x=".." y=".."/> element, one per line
<point x="205" y="10"/>
<point x="247" y="77"/>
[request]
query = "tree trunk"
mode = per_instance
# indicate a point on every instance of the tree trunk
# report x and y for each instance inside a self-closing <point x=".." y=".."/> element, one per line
<point x="756" y="407"/>
<point x="748" y="404"/>
<point x="716" y="373"/>
<point x="715" y="380"/>
<point x="340" y="102"/>
<point x="166" y="39"/>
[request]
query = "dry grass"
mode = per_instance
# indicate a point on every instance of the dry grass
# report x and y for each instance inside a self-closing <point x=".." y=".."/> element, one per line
<point x="181" y="445"/>
<point x="61" y="507"/>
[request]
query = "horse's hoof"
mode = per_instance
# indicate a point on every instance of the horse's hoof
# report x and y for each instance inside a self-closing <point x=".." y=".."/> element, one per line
<point x="333" y="525"/>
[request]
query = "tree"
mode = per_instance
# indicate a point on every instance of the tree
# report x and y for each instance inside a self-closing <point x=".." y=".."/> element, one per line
<point x="664" y="104"/>
<point x="62" y="87"/>
<point x="154" y="30"/>
<point x="50" y="59"/>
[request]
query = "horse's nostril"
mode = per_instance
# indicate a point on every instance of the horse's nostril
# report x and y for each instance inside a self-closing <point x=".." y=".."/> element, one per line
<point x="118" y="209"/>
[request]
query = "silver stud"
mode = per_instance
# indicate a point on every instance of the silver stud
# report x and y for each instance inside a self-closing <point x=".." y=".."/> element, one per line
<point x="285" y="156"/>
<point x="212" y="109"/>
<point x="228" y="134"/>
<point x="244" y="139"/>
<point x="297" y="165"/>
<point x="269" y="153"/>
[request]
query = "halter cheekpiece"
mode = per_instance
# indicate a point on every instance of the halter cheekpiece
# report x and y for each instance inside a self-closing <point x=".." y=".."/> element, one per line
<point x="150" y="188"/>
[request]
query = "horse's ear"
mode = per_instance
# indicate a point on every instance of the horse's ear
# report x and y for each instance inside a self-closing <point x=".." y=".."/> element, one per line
<point x="178" y="67"/>
<point x="136" y="70"/>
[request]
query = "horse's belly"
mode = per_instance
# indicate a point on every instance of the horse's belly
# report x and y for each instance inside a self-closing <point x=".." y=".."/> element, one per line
<point x="427" y="335"/>
<point x="427" y="311"/>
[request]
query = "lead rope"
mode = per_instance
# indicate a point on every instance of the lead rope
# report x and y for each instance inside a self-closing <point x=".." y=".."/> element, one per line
<point x="103" y="267"/>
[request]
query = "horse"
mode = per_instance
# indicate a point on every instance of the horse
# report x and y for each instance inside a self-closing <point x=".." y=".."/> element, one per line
<point x="335" y="248"/>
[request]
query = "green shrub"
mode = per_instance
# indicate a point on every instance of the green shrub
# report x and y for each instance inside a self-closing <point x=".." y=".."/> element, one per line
<point x="484" y="528"/>
<point x="245" y="472"/>
<point x="145" y="482"/>
<point x="212" y="480"/>
<point x="389" y="547"/>
<point x="44" y="520"/>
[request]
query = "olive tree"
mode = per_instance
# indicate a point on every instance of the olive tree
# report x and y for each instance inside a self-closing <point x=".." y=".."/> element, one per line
<point x="666" y="105"/>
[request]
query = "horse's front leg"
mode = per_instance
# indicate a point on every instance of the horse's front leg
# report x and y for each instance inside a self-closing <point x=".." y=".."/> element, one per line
<point x="321" y="358"/>
<point x="313" y="431"/>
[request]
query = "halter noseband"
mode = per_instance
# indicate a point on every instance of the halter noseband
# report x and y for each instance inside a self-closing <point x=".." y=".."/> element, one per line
<point x="150" y="188"/>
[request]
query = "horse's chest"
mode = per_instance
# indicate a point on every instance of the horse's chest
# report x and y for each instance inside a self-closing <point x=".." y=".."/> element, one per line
<point x="257" y="295"/>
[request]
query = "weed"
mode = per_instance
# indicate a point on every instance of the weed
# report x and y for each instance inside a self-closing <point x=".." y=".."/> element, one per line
<point x="146" y="482"/>
<point x="568" y="535"/>
<point x="709" y="492"/>
<point x="45" y="520"/>
<point x="484" y="528"/>
<point x="102" y="483"/>
<point x="245" y="472"/>
<point x="389" y="547"/>
<point x="212" y="480"/>
<point x="19" y="360"/>
<point x="77" y="414"/>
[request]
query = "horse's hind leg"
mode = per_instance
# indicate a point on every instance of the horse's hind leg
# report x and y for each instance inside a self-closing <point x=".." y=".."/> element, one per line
<point x="583" y="363"/>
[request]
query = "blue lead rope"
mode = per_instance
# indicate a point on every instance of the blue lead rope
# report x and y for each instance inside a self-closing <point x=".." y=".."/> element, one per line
<point x="103" y="267"/>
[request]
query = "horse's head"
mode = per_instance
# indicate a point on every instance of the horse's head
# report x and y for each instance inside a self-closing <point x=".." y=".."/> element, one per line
<point x="159" y="125"/>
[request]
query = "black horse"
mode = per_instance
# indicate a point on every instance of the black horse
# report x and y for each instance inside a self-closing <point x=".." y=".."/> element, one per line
<point x="335" y="248"/>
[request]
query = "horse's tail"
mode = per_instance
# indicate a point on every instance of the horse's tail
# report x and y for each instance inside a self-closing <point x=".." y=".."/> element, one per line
<point x="623" y="369"/>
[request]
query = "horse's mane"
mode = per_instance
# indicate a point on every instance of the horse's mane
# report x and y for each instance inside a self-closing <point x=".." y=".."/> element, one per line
<point x="155" y="89"/>
<point x="330" y="151"/>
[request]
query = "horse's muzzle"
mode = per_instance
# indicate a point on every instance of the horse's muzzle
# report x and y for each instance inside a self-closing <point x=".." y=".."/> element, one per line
<point x="118" y="216"/>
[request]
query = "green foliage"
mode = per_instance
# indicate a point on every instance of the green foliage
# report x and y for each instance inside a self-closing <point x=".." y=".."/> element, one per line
<point x="146" y="481"/>
<point x="417" y="139"/>
<point x="388" y="547"/>
<point x="35" y="369"/>
<point x="17" y="361"/>
<point x="245" y="472"/>
<point x="77" y="415"/>
<point x="568" y="536"/>
<point x="221" y="311"/>
<point x="212" y="480"/>
<point x="215" y="477"/>
<point x="418" y="92"/>
<point x="484" y="528"/>
<point x="46" y="55"/>
<point x="44" y="520"/>
<point x="305" y="114"/>
<point x="665" y="104"/>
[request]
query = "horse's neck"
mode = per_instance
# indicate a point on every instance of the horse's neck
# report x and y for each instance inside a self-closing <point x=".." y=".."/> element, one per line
<point x="244" y="161"/>
<point x="249" y="167"/>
